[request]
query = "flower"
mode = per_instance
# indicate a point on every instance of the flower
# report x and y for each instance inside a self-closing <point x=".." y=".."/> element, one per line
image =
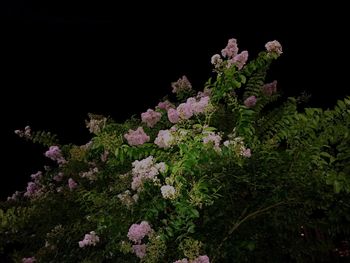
<point x="213" y="138"/>
<point x="164" y="139"/>
<point x="28" y="260"/>
<point x="58" y="177"/>
<point x="240" y="60"/>
<point x="173" y="115"/>
<point x="165" y="105"/>
<point x="185" y="110"/>
<point x="91" y="174"/>
<point x="201" y="259"/>
<point x="182" y="84"/>
<point x="151" y="117"/>
<point x="201" y="105"/>
<point x="246" y="153"/>
<point x="216" y="60"/>
<point x="72" y="184"/>
<point x="184" y="260"/>
<point x="14" y="196"/>
<point x="89" y="240"/>
<point x="96" y="125"/>
<point x="250" y="101"/>
<point x="138" y="231"/>
<point x="33" y="189"/>
<point x="137" y="137"/>
<point x="139" y="250"/>
<point x="55" y="154"/>
<point x="168" y="191"/>
<point x="270" y="88"/>
<point x="274" y="47"/>
<point x="231" y="49"/>
<point x="37" y="176"/>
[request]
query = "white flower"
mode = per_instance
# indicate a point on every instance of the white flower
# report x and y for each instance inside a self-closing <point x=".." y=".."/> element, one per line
<point x="168" y="191"/>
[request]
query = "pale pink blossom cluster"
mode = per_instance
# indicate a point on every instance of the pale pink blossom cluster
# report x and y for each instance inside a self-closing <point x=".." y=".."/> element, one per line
<point x="240" y="60"/>
<point x="182" y="84"/>
<point x="186" y="110"/>
<point x="274" y="47"/>
<point x="216" y="60"/>
<point x="72" y="184"/>
<point x="250" y="101"/>
<point x="200" y="259"/>
<point x="165" y="105"/>
<point x="145" y="169"/>
<point x="29" y="260"/>
<point x="231" y="49"/>
<point x="137" y="137"/>
<point x="139" y="250"/>
<point x="164" y="139"/>
<point x="91" y="174"/>
<point x="238" y="144"/>
<point x="37" y="176"/>
<point x="205" y="93"/>
<point x="246" y="152"/>
<point x="58" y="177"/>
<point x="96" y="125"/>
<point x="89" y="240"/>
<point x="168" y="191"/>
<point x="14" y="197"/>
<point x="211" y="137"/>
<point x="231" y="53"/>
<point x="151" y="117"/>
<point x="33" y="190"/>
<point x="138" y="231"/>
<point x="55" y="154"/>
<point x="270" y="88"/>
<point x="27" y="133"/>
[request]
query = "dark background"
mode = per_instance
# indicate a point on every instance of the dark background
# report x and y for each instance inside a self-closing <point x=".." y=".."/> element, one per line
<point x="61" y="61"/>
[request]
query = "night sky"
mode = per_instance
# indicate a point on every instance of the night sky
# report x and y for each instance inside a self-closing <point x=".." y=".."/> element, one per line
<point x="60" y="62"/>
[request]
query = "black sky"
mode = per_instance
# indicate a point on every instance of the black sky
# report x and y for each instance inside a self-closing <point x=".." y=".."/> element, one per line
<point x="61" y="61"/>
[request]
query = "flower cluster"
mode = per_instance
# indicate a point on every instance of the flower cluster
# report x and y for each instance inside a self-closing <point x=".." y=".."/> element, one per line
<point x="55" y="154"/>
<point x="274" y="47"/>
<point x="89" y="240"/>
<point x="168" y="191"/>
<point x="33" y="190"/>
<point x="145" y="169"/>
<point x="96" y="125"/>
<point x="250" y="101"/>
<point x="186" y="110"/>
<point x="165" y="105"/>
<point x="270" y="88"/>
<point x="200" y="259"/>
<point x="14" y="197"/>
<point x="182" y="84"/>
<point x="29" y="260"/>
<point x="27" y="133"/>
<point x="151" y="117"/>
<point x="91" y="174"/>
<point x="72" y="184"/>
<point x="238" y="145"/>
<point x="137" y="137"/>
<point x="58" y="177"/>
<point x="136" y="233"/>
<point x="164" y="139"/>
<point x="211" y="137"/>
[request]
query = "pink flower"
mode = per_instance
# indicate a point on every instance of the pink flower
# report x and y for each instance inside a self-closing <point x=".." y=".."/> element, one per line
<point x="173" y="115"/>
<point x="58" y="177"/>
<point x="270" y="88"/>
<point x="185" y="110"/>
<point x="184" y="260"/>
<point x="201" y="105"/>
<point x="216" y="60"/>
<point x="211" y="137"/>
<point x="182" y="84"/>
<point x="165" y="105"/>
<point x="55" y="154"/>
<point x="14" y="196"/>
<point x="201" y="259"/>
<point x="246" y="153"/>
<point x="274" y="47"/>
<point x="164" y="139"/>
<point x="151" y="117"/>
<point x="231" y="49"/>
<point x="89" y="240"/>
<point x="240" y="60"/>
<point x="72" y="184"/>
<point x="137" y="137"/>
<point x="37" y="176"/>
<point x="33" y="190"/>
<point x="28" y="260"/>
<point x="139" y="250"/>
<point x="138" y="231"/>
<point x="250" y="101"/>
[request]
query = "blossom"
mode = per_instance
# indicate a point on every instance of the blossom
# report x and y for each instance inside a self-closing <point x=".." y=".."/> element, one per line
<point x="185" y="110"/>
<point x="274" y="47"/>
<point x="37" y="176"/>
<point x="165" y="105"/>
<point x="89" y="240"/>
<point x="26" y="133"/>
<point x="58" y="177"/>
<point x="95" y="125"/>
<point x="151" y="117"/>
<point x="182" y="84"/>
<point x="137" y="137"/>
<point x="55" y="154"/>
<point x="161" y="167"/>
<point x="164" y="139"/>
<point x="250" y="101"/>
<point x="246" y="153"/>
<point x="270" y="88"/>
<point x="173" y="115"/>
<point x="139" y="250"/>
<point x="216" y="60"/>
<point x="201" y="105"/>
<point x="184" y="260"/>
<point x="205" y="93"/>
<point x="91" y="174"/>
<point x="14" y="196"/>
<point x="201" y="259"/>
<point x="168" y="191"/>
<point x="33" y="189"/>
<point x="138" y="231"/>
<point x="72" y="184"/>
<point x="28" y="260"/>
<point x="240" y="60"/>
<point x="231" y="49"/>
<point x="213" y="138"/>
